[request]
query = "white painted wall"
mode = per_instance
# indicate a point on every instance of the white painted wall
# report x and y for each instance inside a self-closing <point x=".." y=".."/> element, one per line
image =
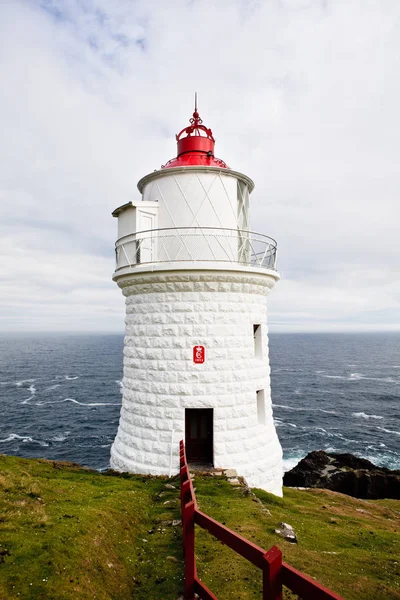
<point x="195" y="199"/>
<point x="139" y="216"/>
<point x="127" y="221"/>
<point x="166" y="315"/>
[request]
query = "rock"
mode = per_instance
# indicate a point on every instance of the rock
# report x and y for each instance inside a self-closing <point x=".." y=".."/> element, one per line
<point x="287" y="532"/>
<point x="234" y="481"/>
<point x="230" y="473"/>
<point x="244" y="483"/>
<point x="344" y="473"/>
<point x="169" y="486"/>
<point x="176" y="522"/>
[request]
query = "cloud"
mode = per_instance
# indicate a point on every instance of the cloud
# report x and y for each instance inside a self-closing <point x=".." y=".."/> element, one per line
<point x="302" y="96"/>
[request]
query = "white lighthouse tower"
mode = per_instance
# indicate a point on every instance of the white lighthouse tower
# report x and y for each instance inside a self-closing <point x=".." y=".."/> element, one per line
<point x="195" y="280"/>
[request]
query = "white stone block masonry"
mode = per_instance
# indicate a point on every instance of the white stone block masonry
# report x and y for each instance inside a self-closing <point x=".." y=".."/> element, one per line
<point x="167" y="314"/>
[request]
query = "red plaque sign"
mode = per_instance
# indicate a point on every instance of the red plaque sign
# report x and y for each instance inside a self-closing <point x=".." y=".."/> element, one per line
<point x="199" y="354"/>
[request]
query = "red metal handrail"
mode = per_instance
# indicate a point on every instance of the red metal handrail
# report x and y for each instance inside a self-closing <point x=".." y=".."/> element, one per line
<point x="275" y="572"/>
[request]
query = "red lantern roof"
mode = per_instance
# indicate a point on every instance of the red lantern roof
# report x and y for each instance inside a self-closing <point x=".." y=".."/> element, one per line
<point x="196" y="148"/>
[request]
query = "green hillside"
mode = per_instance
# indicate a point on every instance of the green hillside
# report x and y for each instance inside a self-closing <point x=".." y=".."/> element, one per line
<point x="72" y="533"/>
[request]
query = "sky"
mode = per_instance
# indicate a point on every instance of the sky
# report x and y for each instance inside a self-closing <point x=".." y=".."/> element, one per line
<point x="302" y="95"/>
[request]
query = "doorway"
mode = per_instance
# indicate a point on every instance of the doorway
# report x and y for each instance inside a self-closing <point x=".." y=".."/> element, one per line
<point x="199" y="435"/>
<point x="145" y="241"/>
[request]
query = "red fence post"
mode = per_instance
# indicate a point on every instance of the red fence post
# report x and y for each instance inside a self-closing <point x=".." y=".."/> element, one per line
<point x="272" y="580"/>
<point x="190" y="560"/>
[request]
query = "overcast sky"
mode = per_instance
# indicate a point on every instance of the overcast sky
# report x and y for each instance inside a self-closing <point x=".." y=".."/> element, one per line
<point x="302" y="95"/>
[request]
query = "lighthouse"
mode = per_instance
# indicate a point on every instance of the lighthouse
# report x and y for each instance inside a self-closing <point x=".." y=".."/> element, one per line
<point x="195" y="279"/>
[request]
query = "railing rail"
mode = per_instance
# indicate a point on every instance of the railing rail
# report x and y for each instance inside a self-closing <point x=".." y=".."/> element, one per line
<point x="275" y="572"/>
<point x="194" y="245"/>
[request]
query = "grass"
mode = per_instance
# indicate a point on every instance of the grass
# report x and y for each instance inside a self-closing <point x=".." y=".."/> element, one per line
<point x="68" y="532"/>
<point x="351" y="546"/>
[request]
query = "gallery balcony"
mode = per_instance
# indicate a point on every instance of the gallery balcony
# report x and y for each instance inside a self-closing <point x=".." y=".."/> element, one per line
<point x="195" y="248"/>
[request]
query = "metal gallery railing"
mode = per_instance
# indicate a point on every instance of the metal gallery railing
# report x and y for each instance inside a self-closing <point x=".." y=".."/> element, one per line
<point x="196" y="245"/>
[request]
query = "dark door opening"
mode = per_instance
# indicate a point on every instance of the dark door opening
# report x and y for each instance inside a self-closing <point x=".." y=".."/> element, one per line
<point x="199" y="435"/>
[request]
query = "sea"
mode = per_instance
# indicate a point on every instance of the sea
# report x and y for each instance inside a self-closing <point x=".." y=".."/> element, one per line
<point x="60" y="395"/>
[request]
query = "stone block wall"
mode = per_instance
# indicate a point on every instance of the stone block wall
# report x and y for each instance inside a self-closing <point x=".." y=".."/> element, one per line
<point x="167" y="314"/>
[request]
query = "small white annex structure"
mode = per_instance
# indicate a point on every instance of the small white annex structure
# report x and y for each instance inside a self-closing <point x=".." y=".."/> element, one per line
<point x="196" y="346"/>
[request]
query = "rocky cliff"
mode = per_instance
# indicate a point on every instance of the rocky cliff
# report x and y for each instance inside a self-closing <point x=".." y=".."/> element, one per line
<point x="344" y="473"/>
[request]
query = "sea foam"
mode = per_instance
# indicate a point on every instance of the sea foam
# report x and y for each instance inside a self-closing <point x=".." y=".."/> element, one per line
<point x="25" y="439"/>
<point x="363" y="415"/>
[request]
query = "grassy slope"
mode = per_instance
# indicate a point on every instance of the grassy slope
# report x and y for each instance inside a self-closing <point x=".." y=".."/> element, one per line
<point x="66" y="532"/>
<point x="356" y="554"/>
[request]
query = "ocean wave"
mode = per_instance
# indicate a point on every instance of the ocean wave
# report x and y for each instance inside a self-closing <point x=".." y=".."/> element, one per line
<point x="25" y="439"/>
<point x="373" y="446"/>
<point x="22" y="381"/>
<point x="364" y="415"/>
<point x="26" y="401"/>
<point x="343" y="438"/>
<point x="44" y="402"/>
<point x="92" y="403"/>
<point x="330" y="449"/>
<point x="291" y="462"/>
<point x="300" y="408"/>
<point x="68" y="378"/>
<point x="388" y="430"/>
<point x="32" y="390"/>
<point x="52" y="387"/>
<point x="342" y="377"/>
<point x="40" y="403"/>
<point x="320" y="431"/>
<point x="59" y="437"/>
<point x="384" y="460"/>
<point x="384" y="379"/>
<point x="360" y="376"/>
<point x="282" y="424"/>
<point x="351" y="377"/>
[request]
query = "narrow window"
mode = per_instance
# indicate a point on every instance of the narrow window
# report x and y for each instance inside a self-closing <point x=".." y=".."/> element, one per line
<point x="261" y="406"/>
<point x="257" y="341"/>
